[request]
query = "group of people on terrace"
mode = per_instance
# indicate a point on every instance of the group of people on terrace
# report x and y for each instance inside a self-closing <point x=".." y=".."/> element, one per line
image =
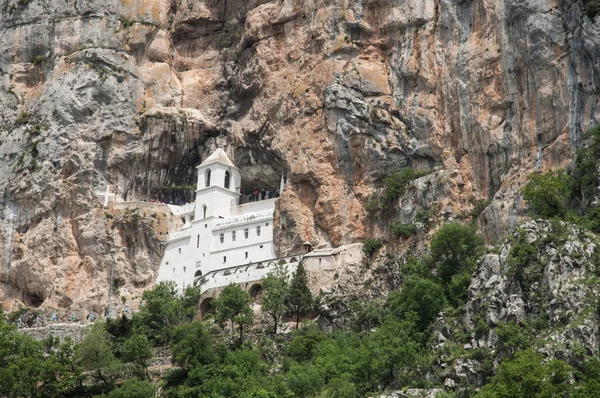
<point x="263" y="194"/>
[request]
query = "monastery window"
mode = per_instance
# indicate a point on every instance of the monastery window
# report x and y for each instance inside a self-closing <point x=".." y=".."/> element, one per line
<point x="204" y="213"/>
<point x="233" y="236"/>
<point x="198" y="241"/>
<point x="207" y="177"/>
<point x="227" y="178"/>
<point x="246" y="255"/>
<point x="184" y="269"/>
<point x="173" y="271"/>
<point x="245" y="233"/>
<point x="258" y="231"/>
<point x="205" y="225"/>
<point x="260" y="247"/>
<point x="267" y="224"/>
<point x="180" y="250"/>
<point x="224" y="259"/>
<point x="222" y="237"/>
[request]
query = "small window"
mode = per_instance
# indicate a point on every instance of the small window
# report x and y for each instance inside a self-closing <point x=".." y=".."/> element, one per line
<point x="184" y="269"/>
<point x="173" y="271"/>
<point x="205" y="225"/>
<point x="224" y="259"/>
<point x="227" y="178"/>
<point x="258" y="231"/>
<point x="180" y="250"/>
<point x="261" y="246"/>
<point x="222" y="237"/>
<point x="198" y="241"/>
<point x="233" y="236"/>
<point x="267" y="224"/>
<point x="246" y="255"/>
<point x="207" y="177"/>
<point x="204" y="211"/>
<point x="246" y="233"/>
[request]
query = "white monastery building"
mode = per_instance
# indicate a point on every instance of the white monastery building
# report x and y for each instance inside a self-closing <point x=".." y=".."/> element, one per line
<point x="221" y="241"/>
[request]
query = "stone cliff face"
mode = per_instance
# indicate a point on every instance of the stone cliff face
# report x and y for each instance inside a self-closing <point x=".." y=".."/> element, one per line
<point x="133" y="94"/>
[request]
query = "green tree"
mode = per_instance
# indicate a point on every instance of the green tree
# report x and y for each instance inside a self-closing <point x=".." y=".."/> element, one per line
<point x="548" y="194"/>
<point x="454" y="249"/>
<point x="299" y="299"/>
<point x="419" y="296"/>
<point x="527" y="376"/>
<point x="95" y="355"/>
<point x="233" y="304"/>
<point x="276" y="290"/>
<point x="164" y="309"/>
<point x="192" y="345"/>
<point x="133" y="389"/>
<point x="585" y="175"/>
<point x="136" y="353"/>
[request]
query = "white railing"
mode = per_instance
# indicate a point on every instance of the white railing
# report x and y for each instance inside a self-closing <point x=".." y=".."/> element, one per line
<point x="181" y="210"/>
<point x="246" y="272"/>
<point x="182" y="233"/>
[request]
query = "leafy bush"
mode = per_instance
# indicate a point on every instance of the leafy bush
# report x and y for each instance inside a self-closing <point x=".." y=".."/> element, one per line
<point x="402" y="230"/>
<point x="418" y="296"/>
<point x="395" y="184"/>
<point x="371" y="245"/>
<point x="592" y="9"/>
<point x="455" y="248"/>
<point x="523" y="263"/>
<point x="548" y="194"/>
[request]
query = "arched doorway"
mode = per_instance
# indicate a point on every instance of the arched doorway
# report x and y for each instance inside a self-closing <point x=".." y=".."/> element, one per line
<point x="206" y="307"/>
<point x="256" y="293"/>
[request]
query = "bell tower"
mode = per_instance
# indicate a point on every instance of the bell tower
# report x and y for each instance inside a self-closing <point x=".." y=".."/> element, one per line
<point x="218" y="187"/>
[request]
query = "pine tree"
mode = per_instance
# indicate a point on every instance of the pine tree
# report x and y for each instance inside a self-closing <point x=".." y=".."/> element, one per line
<point x="299" y="299"/>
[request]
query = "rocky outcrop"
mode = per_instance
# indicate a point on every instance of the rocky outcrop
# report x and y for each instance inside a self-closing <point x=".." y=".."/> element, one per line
<point x="133" y="94"/>
<point x="543" y="278"/>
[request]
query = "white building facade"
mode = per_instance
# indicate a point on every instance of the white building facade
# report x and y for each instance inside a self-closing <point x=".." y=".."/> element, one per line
<point x="221" y="240"/>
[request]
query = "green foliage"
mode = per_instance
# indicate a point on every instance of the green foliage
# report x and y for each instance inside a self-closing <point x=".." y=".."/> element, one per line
<point x="133" y="389"/>
<point x="527" y="376"/>
<point x="371" y="245"/>
<point x="548" y="194"/>
<point x="164" y="309"/>
<point x="584" y="173"/>
<point x="592" y="9"/>
<point x="304" y="341"/>
<point x="512" y="337"/>
<point x="299" y="300"/>
<point x="231" y="33"/>
<point x="402" y="230"/>
<point x="233" y="305"/>
<point x="23" y="118"/>
<point x="96" y="357"/>
<point x="523" y="262"/>
<point x="454" y="250"/>
<point x="192" y="345"/>
<point x="136" y="354"/>
<point x="275" y="293"/>
<point x="395" y="184"/>
<point x="419" y="296"/>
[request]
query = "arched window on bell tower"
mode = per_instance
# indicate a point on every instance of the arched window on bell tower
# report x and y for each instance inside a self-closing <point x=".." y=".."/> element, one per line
<point x="207" y="177"/>
<point x="204" y="211"/>
<point x="227" y="178"/>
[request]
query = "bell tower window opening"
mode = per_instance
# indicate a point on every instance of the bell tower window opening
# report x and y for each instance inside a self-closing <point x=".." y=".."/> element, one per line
<point x="207" y="177"/>
<point x="204" y="211"/>
<point x="227" y="179"/>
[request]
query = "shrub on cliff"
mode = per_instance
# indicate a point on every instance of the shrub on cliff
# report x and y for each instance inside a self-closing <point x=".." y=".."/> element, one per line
<point x="548" y="194"/>
<point x="371" y="245"/>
